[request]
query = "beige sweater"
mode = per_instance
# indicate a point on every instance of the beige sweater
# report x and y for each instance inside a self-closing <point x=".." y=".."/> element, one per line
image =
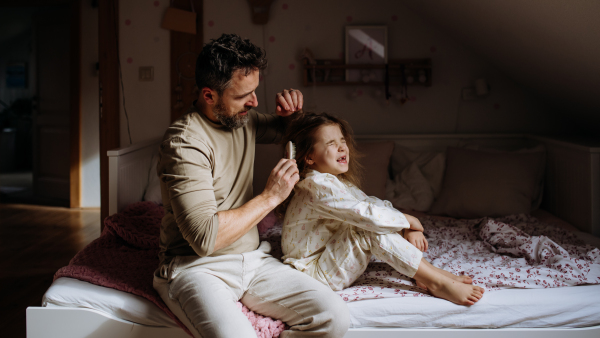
<point x="205" y="168"/>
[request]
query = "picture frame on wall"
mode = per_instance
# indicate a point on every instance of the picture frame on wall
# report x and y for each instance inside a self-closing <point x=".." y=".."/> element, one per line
<point x="366" y="45"/>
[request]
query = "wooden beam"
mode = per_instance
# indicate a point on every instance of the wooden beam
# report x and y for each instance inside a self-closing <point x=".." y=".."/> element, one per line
<point x="108" y="40"/>
<point x="181" y="46"/>
<point x="75" y="114"/>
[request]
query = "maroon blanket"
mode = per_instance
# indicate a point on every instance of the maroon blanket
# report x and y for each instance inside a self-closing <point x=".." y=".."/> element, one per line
<point x="125" y="256"/>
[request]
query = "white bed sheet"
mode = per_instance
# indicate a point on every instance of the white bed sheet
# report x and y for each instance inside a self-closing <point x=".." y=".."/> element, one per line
<point x="70" y="292"/>
<point x="566" y="307"/>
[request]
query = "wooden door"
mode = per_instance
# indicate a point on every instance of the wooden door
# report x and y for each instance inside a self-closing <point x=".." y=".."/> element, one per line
<point x="51" y="146"/>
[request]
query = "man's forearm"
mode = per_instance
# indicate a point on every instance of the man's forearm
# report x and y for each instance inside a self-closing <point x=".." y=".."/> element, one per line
<point x="235" y="223"/>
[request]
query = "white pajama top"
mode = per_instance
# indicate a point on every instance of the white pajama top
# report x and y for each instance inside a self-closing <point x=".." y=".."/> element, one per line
<point x="331" y="229"/>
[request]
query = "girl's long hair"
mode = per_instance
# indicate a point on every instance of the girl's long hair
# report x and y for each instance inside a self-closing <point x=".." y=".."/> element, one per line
<point x="301" y="132"/>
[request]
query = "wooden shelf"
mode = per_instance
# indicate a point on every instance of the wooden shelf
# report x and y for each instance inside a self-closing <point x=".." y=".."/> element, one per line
<point x="332" y="72"/>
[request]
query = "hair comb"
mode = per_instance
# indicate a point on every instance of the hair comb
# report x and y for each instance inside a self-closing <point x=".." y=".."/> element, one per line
<point x="290" y="150"/>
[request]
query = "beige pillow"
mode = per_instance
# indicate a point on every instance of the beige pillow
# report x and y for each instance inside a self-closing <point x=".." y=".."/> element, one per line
<point x="411" y="190"/>
<point x="479" y="183"/>
<point x="430" y="163"/>
<point x="375" y="162"/>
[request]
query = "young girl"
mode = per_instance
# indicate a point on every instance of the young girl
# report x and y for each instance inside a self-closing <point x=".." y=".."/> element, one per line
<point x="331" y="228"/>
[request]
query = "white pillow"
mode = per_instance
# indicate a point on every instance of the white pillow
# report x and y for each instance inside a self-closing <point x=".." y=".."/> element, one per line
<point x="152" y="192"/>
<point x="411" y="190"/>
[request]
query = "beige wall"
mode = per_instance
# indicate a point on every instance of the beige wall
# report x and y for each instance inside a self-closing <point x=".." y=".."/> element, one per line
<point x="143" y="43"/>
<point x="319" y="25"/>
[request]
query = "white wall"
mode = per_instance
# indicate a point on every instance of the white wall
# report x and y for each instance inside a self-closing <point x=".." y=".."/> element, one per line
<point x="143" y="43"/>
<point x="90" y="120"/>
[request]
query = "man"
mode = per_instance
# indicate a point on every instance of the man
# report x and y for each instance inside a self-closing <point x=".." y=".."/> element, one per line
<point x="210" y="255"/>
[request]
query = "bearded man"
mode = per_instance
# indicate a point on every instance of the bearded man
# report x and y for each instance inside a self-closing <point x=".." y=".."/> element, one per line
<point x="210" y="255"/>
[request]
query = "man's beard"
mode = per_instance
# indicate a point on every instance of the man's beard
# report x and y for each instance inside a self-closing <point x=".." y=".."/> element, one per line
<point x="230" y="121"/>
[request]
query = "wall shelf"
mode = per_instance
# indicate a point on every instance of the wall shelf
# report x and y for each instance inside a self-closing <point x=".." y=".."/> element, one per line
<point x="332" y="72"/>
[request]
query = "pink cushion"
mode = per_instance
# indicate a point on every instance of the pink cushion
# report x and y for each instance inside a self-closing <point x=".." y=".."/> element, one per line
<point x="267" y="223"/>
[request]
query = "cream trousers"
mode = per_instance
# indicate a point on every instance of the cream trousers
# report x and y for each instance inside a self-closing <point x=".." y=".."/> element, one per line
<point x="202" y="293"/>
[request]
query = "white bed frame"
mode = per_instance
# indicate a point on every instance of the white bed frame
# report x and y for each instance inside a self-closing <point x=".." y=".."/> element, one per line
<point x="572" y="192"/>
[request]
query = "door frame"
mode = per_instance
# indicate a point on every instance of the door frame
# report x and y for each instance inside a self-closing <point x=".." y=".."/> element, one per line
<point x="108" y="57"/>
<point x="75" y="107"/>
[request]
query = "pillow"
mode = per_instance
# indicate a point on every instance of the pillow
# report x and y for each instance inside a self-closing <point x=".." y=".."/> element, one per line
<point x="480" y="183"/>
<point x="538" y="193"/>
<point x="410" y="190"/>
<point x="430" y="163"/>
<point x="152" y="192"/>
<point x="375" y="162"/>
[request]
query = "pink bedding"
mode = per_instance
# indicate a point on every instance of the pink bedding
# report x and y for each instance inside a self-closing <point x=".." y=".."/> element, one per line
<point x="516" y="251"/>
<point x="124" y="257"/>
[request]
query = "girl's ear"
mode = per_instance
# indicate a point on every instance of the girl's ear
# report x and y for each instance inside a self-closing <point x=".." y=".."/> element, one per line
<point x="309" y="160"/>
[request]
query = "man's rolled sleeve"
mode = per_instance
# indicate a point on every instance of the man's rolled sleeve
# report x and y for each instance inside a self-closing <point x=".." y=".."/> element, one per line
<point x="269" y="128"/>
<point x="186" y="170"/>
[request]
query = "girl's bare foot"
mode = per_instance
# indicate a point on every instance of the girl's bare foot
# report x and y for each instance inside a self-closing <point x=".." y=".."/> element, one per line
<point x="462" y="278"/>
<point x="456" y="289"/>
<point x="456" y="292"/>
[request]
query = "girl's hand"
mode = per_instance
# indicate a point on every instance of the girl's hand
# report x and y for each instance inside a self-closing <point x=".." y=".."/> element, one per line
<point x="414" y="222"/>
<point x="416" y="238"/>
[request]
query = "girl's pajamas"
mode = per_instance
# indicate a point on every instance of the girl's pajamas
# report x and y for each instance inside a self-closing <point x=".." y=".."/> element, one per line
<point x="331" y="229"/>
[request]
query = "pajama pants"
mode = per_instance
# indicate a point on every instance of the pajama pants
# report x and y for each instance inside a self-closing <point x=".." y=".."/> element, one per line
<point x="349" y="250"/>
<point x="202" y="293"/>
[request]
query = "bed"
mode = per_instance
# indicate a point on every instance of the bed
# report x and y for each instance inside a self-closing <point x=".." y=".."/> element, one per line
<point x="570" y="190"/>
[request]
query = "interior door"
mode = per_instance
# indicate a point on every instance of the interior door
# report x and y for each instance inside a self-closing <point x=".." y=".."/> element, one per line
<point x="51" y="119"/>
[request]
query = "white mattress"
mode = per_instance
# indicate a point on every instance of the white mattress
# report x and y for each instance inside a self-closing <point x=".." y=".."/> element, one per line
<point x="511" y="308"/>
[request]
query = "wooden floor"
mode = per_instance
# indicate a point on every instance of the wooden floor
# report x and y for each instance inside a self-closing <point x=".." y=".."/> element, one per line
<point x="35" y="242"/>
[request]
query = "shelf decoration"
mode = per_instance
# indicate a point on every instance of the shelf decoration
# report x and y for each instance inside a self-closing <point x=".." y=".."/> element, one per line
<point x="401" y="72"/>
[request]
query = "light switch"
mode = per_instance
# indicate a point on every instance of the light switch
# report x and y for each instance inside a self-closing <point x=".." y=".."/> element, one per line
<point x="147" y="73"/>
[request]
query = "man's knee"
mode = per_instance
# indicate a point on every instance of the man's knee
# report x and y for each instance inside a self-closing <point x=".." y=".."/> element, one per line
<point x="336" y="309"/>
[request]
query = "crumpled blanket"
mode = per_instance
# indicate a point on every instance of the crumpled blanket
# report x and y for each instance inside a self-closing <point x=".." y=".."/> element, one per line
<point x="125" y="256"/>
<point x="516" y="251"/>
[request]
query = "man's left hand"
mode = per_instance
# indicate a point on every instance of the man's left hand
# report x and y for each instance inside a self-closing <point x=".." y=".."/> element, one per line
<point x="288" y="102"/>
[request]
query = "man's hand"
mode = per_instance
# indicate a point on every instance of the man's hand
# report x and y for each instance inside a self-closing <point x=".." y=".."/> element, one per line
<point x="416" y="238"/>
<point x="288" y="102"/>
<point x="281" y="181"/>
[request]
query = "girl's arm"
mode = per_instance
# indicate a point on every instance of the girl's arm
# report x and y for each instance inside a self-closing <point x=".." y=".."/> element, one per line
<point x="332" y="199"/>
<point x="414" y="222"/>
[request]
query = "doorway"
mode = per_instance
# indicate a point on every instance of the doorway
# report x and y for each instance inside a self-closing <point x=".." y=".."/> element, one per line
<point x="39" y="105"/>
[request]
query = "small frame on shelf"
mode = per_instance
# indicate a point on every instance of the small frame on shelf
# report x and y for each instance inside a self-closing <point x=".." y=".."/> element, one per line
<point x="366" y="45"/>
<point x="332" y="72"/>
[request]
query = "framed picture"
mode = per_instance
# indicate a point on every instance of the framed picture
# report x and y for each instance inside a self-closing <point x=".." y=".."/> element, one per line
<point x="366" y="45"/>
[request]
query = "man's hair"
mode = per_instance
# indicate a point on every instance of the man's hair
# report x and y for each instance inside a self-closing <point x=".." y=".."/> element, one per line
<point x="301" y="131"/>
<point x="220" y="58"/>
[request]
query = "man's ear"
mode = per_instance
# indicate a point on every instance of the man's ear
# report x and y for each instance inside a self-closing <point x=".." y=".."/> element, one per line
<point x="210" y="96"/>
